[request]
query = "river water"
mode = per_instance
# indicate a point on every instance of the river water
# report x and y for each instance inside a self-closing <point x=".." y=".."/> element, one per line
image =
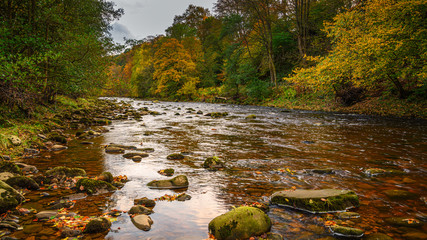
<point x="254" y="150"/>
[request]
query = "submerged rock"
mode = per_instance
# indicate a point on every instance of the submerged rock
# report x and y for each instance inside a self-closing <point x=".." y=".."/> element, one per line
<point x="321" y="171"/>
<point x="175" y="156"/>
<point x="213" y="163"/>
<point x="92" y="186"/>
<point x="145" y="202"/>
<point x="180" y="181"/>
<point x="377" y="236"/>
<point x="347" y="231"/>
<point x="65" y="171"/>
<point x="22" y="182"/>
<point x="97" y="225"/>
<point x="325" y="200"/>
<point x="400" y="194"/>
<point x="348" y="215"/>
<point x="373" y="172"/>
<point x="240" y="223"/>
<point x="9" y="197"/>
<point x="139" y="209"/>
<point x="112" y="145"/>
<point x="142" y="222"/>
<point x="404" y="222"/>
<point x="56" y="148"/>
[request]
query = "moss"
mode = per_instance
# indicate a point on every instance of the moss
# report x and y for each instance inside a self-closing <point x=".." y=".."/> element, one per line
<point x="175" y="156"/>
<point x="167" y="172"/>
<point x="213" y="162"/>
<point x="23" y="182"/>
<point x="319" y="204"/>
<point x="252" y="116"/>
<point x="347" y="231"/>
<point x="64" y="171"/>
<point x="7" y="166"/>
<point x="9" y="197"/>
<point x="92" y="186"/>
<point x="98" y="225"/>
<point x="240" y="223"/>
<point x="106" y="176"/>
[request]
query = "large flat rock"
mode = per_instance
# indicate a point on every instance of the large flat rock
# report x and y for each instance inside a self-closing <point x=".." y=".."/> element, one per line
<point x="317" y="201"/>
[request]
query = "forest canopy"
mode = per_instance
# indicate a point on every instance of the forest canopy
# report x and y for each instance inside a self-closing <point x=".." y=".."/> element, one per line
<point x="257" y="50"/>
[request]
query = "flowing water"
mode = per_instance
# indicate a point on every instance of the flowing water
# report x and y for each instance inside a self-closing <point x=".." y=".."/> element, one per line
<point x="254" y="150"/>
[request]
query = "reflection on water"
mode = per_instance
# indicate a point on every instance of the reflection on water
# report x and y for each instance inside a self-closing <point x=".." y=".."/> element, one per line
<point x="254" y="150"/>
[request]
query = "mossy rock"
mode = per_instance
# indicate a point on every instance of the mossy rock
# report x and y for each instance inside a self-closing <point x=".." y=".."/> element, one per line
<point x="145" y="202"/>
<point x="122" y="146"/>
<point x="317" y="201"/>
<point x="23" y="182"/>
<point x="97" y="225"/>
<point x="175" y="156"/>
<point x="92" y="186"/>
<point x="102" y="122"/>
<point x="167" y="172"/>
<point x="348" y="215"/>
<point x="106" y="177"/>
<point x="139" y="209"/>
<point x="213" y="163"/>
<point x="9" y="197"/>
<point x="180" y="181"/>
<point x="240" y="223"/>
<point x="252" y="116"/>
<point x="65" y="171"/>
<point x="347" y="231"/>
<point x="7" y="166"/>
<point x="374" y="172"/>
<point x="322" y="171"/>
<point x="217" y="114"/>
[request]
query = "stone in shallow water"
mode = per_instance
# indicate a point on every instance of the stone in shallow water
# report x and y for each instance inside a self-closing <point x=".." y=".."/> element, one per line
<point x="145" y="202"/>
<point x="240" y="223"/>
<point x="97" y="225"/>
<point x="114" y="150"/>
<point x="142" y="222"/>
<point x="58" y="148"/>
<point x="325" y="200"/>
<point x="175" y="156"/>
<point x="180" y="181"/>
<point x="139" y="209"/>
<point x="347" y="231"/>
<point x="348" y="215"/>
<point x="404" y="222"/>
<point x="134" y="154"/>
<point x="9" y="197"/>
<point x="377" y="236"/>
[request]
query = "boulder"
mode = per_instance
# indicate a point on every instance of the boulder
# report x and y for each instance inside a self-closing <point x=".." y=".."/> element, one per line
<point x="180" y="181"/>
<point x="97" y="225"/>
<point x="22" y="182"/>
<point x="142" y="222"/>
<point x="139" y="209"/>
<point x="317" y="201"/>
<point x="9" y="197"/>
<point x="213" y="163"/>
<point x="240" y="223"/>
<point x="91" y="186"/>
<point x="167" y="172"/>
<point x="15" y="140"/>
<point x="347" y="231"/>
<point x="65" y="171"/>
<point x="145" y="202"/>
<point x="400" y="194"/>
<point x="134" y="154"/>
<point x="175" y="156"/>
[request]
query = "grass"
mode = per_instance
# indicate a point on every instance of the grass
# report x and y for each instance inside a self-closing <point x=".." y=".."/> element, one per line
<point x="14" y="123"/>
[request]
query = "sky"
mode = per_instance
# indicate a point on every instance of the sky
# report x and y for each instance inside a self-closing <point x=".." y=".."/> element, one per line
<point x="143" y="18"/>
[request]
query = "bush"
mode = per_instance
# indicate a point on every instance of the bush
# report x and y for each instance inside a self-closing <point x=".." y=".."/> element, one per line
<point x="258" y="90"/>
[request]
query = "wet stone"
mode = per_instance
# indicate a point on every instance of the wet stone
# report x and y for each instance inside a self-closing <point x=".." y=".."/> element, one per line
<point x="183" y="197"/>
<point x="131" y="155"/>
<point x="175" y="156"/>
<point x="180" y="181"/>
<point x="347" y="231"/>
<point x="110" y="149"/>
<point x="404" y="222"/>
<point x="142" y="222"/>
<point x="315" y="201"/>
<point x="139" y="209"/>
<point x="98" y="225"/>
<point x="348" y="215"/>
<point x="33" y="228"/>
<point x="145" y="202"/>
<point x="58" y="148"/>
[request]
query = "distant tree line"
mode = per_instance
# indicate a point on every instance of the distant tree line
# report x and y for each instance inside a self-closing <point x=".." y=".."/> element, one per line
<point x="255" y="50"/>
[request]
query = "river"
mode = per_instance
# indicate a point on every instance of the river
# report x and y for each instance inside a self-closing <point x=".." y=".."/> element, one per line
<point x="254" y="150"/>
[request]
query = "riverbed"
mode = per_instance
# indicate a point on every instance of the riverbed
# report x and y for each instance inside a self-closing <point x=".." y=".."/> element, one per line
<point x="273" y="150"/>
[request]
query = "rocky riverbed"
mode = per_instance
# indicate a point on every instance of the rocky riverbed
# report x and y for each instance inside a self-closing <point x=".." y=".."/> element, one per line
<point x="161" y="170"/>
